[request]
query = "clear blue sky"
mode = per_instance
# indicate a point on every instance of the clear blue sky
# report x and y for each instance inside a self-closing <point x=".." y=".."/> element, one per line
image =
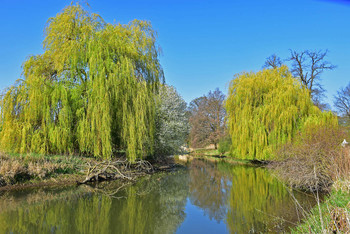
<point x="204" y="42"/>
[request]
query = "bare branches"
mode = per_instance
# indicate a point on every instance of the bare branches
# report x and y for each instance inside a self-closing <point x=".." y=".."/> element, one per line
<point x="120" y="169"/>
<point x="273" y="62"/>
<point x="298" y="65"/>
<point x="308" y="66"/>
<point x="207" y="119"/>
<point x="342" y="101"/>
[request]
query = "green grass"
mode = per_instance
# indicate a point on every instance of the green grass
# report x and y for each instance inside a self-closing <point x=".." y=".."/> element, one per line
<point x="207" y="152"/>
<point x="334" y="207"/>
<point x="212" y="155"/>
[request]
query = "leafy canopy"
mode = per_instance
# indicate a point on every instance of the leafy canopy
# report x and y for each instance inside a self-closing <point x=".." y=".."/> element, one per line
<point x="171" y="124"/>
<point x="266" y="109"/>
<point x="91" y="92"/>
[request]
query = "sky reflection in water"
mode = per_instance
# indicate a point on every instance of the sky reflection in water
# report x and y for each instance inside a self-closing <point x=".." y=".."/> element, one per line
<point x="204" y="198"/>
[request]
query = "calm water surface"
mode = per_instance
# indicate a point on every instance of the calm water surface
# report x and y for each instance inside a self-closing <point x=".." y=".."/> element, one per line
<point x="203" y="198"/>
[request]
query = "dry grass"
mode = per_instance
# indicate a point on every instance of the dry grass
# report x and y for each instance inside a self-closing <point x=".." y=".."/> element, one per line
<point x="315" y="161"/>
<point x="318" y="162"/>
<point x="20" y="169"/>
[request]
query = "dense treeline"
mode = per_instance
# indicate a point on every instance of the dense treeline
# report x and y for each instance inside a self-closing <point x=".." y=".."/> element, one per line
<point x="91" y="92"/>
<point x="98" y="90"/>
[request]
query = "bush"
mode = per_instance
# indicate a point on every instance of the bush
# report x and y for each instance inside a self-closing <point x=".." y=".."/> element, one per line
<point x="224" y="145"/>
<point x="315" y="160"/>
<point x="18" y="169"/>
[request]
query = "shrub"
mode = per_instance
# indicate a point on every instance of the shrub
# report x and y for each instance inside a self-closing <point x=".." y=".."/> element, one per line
<point x="12" y="171"/>
<point x="224" y="145"/>
<point x="315" y="160"/>
<point x="16" y="169"/>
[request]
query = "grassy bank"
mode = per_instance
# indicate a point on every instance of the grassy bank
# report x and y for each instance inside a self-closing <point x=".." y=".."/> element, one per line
<point x="23" y="171"/>
<point x="213" y="155"/>
<point x="31" y="169"/>
<point x="332" y="215"/>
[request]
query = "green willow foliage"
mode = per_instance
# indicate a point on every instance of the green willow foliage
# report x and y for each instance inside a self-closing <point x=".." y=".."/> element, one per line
<point x="266" y="109"/>
<point x="91" y="92"/>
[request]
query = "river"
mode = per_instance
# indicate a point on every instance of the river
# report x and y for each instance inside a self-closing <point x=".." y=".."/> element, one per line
<point x="203" y="197"/>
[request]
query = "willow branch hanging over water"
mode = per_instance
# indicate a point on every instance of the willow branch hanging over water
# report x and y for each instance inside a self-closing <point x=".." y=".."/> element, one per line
<point x="266" y="109"/>
<point x="90" y="93"/>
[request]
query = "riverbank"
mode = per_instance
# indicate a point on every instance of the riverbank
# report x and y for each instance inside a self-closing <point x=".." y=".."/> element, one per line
<point x="213" y="155"/>
<point x="27" y="171"/>
<point x="30" y="170"/>
<point x="332" y="215"/>
<point x="233" y="196"/>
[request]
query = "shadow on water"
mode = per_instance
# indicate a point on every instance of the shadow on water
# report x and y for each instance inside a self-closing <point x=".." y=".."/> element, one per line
<point x="237" y="198"/>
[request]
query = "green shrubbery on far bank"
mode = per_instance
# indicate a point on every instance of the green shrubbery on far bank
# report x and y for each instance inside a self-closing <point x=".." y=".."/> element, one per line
<point x="225" y="145"/>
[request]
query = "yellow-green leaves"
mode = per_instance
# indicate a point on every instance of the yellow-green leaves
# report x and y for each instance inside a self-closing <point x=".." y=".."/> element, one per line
<point x="91" y="92"/>
<point x="265" y="110"/>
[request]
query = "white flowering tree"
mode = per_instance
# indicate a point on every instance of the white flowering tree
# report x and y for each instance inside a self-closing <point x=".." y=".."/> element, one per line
<point x="172" y="127"/>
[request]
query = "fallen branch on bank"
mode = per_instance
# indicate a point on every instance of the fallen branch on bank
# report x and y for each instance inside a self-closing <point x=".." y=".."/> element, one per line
<point x="119" y="169"/>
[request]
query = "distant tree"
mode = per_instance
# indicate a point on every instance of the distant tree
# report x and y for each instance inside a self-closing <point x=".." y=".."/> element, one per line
<point x="342" y="101"/>
<point x="207" y="119"/>
<point x="308" y="66"/>
<point x="171" y="122"/>
<point x="273" y="62"/>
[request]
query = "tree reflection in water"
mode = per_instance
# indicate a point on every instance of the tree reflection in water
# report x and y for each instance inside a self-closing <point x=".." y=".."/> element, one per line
<point x="239" y="198"/>
<point x="245" y="198"/>
<point x="153" y="205"/>
<point x="209" y="188"/>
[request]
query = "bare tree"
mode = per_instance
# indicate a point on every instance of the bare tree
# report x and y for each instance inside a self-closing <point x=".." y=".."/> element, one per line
<point x="207" y="119"/>
<point x="308" y="66"/>
<point x="273" y="62"/>
<point x="342" y="101"/>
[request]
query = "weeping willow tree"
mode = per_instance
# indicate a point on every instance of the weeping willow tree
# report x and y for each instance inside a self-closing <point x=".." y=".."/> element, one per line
<point x="266" y="109"/>
<point x="91" y="92"/>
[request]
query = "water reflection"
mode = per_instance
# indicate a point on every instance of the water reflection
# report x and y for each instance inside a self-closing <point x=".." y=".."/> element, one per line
<point x="209" y="189"/>
<point x="248" y="199"/>
<point x="153" y="205"/>
<point x="239" y="199"/>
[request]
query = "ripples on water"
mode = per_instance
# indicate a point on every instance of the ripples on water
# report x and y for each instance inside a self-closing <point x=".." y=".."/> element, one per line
<point x="203" y="198"/>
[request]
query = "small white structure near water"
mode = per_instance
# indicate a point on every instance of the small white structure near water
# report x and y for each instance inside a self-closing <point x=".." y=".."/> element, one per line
<point x="344" y="143"/>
